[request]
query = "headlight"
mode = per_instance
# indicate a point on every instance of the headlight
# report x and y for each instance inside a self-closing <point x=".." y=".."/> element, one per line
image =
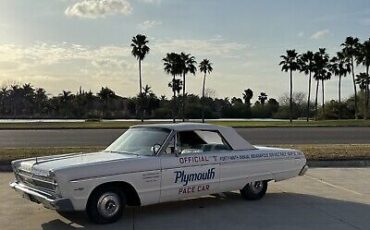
<point x="40" y="172"/>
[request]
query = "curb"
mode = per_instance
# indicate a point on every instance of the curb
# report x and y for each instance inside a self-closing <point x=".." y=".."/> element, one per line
<point x="338" y="163"/>
<point x="6" y="167"/>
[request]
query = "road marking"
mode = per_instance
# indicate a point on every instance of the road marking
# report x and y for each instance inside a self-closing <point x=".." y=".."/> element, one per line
<point x="333" y="185"/>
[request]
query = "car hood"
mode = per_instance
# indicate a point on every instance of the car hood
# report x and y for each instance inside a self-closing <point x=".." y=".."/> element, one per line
<point x="52" y="163"/>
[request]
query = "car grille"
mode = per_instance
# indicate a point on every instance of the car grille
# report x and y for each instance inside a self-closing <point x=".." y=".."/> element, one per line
<point x="37" y="182"/>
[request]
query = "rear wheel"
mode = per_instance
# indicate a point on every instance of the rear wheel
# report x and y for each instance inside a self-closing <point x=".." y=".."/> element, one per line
<point x="106" y="205"/>
<point x="254" y="190"/>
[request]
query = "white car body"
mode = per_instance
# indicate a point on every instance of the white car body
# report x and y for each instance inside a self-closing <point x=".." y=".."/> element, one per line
<point x="65" y="182"/>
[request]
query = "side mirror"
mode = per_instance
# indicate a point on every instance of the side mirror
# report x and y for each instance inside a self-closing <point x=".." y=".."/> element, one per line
<point x="156" y="148"/>
<point x="175" y="151"/>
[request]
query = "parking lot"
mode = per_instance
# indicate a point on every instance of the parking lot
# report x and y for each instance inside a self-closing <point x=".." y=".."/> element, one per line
<point x="325" y="198"/>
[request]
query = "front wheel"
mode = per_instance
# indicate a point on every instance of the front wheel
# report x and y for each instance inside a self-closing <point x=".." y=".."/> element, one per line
<point x="254" y="190"/>
<point x="106" y="205"/>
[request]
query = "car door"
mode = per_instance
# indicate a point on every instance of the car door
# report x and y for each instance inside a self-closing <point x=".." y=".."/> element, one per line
<point x="187" y="172"/>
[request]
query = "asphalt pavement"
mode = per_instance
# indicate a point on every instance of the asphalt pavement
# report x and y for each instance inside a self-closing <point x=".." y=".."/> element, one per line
<point x="258" y="136"/>
<point x="330" y="199"/>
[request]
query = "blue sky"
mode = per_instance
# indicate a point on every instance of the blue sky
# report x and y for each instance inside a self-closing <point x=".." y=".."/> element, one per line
<point x="65" y="44"/>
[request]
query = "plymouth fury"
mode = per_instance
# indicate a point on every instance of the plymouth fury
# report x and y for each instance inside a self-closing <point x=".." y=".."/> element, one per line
<point x="151" y="164"/>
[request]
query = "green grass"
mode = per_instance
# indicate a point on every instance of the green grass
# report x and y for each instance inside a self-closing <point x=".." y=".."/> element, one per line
<point x="312" y="152"/>
<point x="126" y="124"/>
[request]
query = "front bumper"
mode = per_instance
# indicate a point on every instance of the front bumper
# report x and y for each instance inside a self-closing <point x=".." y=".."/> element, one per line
<point x="40" y="197"/>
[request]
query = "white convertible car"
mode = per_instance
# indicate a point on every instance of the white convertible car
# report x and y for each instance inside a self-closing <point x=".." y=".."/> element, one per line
<point x="150" y="164"/>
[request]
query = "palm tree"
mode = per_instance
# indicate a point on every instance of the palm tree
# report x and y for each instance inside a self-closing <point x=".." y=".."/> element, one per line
<point x="364" y="58"/>
<point x="247" y="96"/>
<point x="350" y="50"/>
<point x="188" y="66"/>
<point x="326" y="75"/>
<point x="290" y="63"/>
<point x="147" y="91"/>
<point x="139" y="50"/>
<point x="172" y="66"/>
<point x="362" y="79"/>
<point x="321" y="72"/>
<point x="205" y="67"/>
<point x="306" y="62"/>
<point x="262" y="98"/>
<point x="339" y="67"/>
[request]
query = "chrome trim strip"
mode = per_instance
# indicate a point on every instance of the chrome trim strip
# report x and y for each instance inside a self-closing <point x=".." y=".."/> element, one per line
<point x="34" y="178"/>
<point x="109" y="175"/>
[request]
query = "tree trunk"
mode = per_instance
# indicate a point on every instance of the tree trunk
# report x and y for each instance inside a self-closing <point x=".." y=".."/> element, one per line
<point x="140" y="94"/>
<point x="354" y="88"/>
<point x="323" y="97"/>
<point x="183" y="97"/>
<point x="309" y="98"/>
<point x="291" y="98"/>
<point x="203" y="92"/>
<point x="317" y="94"/>
<point x="173" y="100"/>
<point x="340" y="97"/>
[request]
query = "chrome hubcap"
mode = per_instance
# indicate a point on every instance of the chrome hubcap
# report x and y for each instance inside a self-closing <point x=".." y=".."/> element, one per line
<point x="108" y="204"/>
<point x="256" y="187"/>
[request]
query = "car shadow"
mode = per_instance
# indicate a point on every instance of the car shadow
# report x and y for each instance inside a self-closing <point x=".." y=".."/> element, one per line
<point x="230" y="211"/>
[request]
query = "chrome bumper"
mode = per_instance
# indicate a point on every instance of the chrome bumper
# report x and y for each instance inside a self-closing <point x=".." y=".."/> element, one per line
<point x="303" y="170"/>
<point x="40" y="197"/>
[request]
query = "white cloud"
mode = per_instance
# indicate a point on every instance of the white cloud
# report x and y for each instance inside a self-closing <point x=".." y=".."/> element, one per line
<point x="197" y="47"/>
<point x="67" y="66"/>
<point x="57" y="66"/>
<point x="148" y="24"/>
<point x="98" y="8"/>
<point x="300" y="34"/>
<point x="47" y="54"/>
<point x="320" y="34"/>
<point x="151" y="1"/>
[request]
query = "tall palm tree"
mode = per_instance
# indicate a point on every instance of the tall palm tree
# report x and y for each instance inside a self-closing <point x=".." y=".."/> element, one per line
<point x="306" y="62"/>
<point x="290" y="63"/>
<point x="139" y="50"/>
<point x="363" y="58"/>
<point x="188" y="66"/>
<point x="205" y="67"/>
<point x="321" y="72"/>
<point x="172" y="66"/>
<point x="350" y="50"/>
<point x="339" y="67"/>
<point x="326" y="75"/>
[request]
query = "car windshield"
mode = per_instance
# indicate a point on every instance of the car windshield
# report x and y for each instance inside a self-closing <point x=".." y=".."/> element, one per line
<point x="139" y="141"/>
